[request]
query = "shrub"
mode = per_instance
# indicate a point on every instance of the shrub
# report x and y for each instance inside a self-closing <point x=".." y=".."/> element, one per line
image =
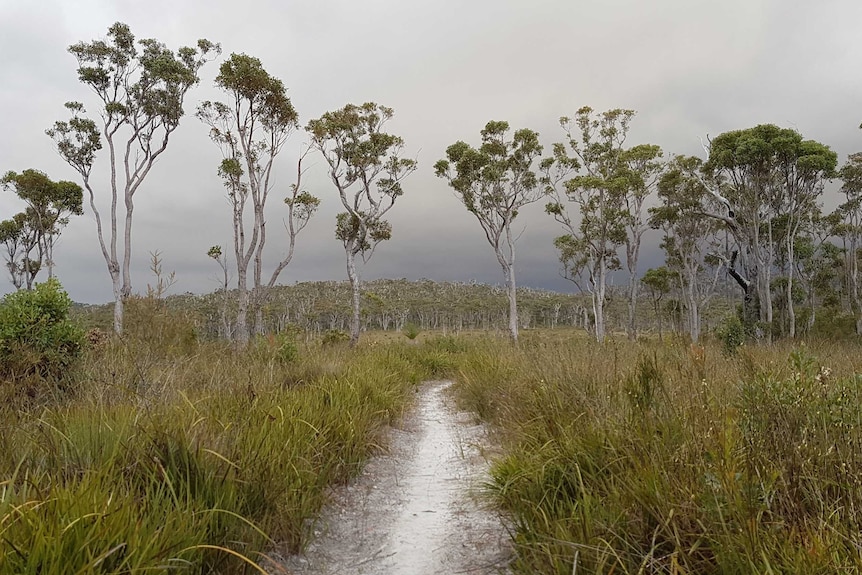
<point x="334" y="336"/>
<point x="731" y="334"/>
<point x="151" y="323"/>
<point x="411" y="331"/>
<point x="279" y="347"/>
<point x="37" y="338"/>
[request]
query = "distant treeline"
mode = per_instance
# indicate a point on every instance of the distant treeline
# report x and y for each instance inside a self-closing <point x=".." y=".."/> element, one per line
<point x="392" y="304"/>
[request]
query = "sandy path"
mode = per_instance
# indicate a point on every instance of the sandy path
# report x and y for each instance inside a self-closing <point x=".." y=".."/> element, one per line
<point x="414" y="510"/>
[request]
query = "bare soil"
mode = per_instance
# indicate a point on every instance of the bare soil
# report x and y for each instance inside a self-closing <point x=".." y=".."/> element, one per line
<point x="416" y="509"/>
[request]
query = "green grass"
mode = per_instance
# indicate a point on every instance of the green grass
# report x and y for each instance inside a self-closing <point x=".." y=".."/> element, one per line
<point x="167" y="454"/>
<point x="667" y="458"/>
<point x="187" y="457"/>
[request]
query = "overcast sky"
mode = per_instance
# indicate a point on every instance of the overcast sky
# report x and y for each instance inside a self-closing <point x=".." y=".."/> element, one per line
<point x="689" y="67"/>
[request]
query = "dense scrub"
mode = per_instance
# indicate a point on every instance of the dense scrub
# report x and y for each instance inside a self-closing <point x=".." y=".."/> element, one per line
<point x="175" y="455"/>
<point x="667" y="458"/>
<point x="39" y="345"/>
<point x="166" y="451"/>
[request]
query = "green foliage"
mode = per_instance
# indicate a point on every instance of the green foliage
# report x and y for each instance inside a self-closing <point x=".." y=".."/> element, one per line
<point x="411" y="331"/>
<point x="364" y="158"/>
<point x="280" y="347"/>
<point x="497" y="179"/>
<point x="802" y="428"/>
<point x="29" y="237"/>
<point x="37" y="338"/>
<point x="202" y="471"/>
<point x="694" y="463"/>
<point x="160" y="330"/>
<point x="731" y="334"/>
<point x="833" y="324"/>
<point x="644" y="385"/>
<point x="334" y="337"/>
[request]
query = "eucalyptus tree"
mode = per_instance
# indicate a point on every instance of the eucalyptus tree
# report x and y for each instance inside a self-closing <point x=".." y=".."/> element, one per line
<point x="691" y="241"/>
<point x="762" y="175"/>
<point x="803" y="167"/>
<point x="594" y="179"/>
<point x="658" y="282"/>
<point x="49" y="205"/>
<point x="367" y="168"/>
<point x="850" y="212"/>
<point x="140" y="97"/>
<point x="820" y="264"/>
<point x="19" y="238"/>
<point x="215" y="253"/>
<point x="251" y="130"/>
<point x="494" y="182"/>
<point x="642" y="167"/>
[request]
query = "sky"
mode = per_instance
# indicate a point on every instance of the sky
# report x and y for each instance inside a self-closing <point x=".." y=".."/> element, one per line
<point x="690" y="68"/>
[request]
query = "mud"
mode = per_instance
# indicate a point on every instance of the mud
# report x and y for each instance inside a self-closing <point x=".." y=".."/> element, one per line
<point x="417" y="509"/>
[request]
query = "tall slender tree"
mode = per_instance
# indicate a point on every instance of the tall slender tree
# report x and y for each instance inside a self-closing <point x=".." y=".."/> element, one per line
<point x="690" y="241"/>
<point x="19" y="237"/>
<point x="658" y="282"/>
<point x="850" y="212"/>
<point x="251" y="130"/>
<point x="642" y="167"/>
<point x="494" y="182"/>
<point x="367" y="168"/>
<point x="49" y="205"/>
<point x="140" y="94"/>
<point x="593" y="178"/>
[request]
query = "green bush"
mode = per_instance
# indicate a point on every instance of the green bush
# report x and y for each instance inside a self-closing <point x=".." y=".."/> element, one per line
<point x="731" y="334"/>
<point x="279" y="347"/>
<point x="37" y="338"/>
<point x="334" y="337"/>
<point x="151" y="324"/>
<point x="410" y="331"/>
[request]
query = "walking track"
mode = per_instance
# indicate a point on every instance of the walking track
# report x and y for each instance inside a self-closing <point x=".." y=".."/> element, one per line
<point x="416" y="509"/>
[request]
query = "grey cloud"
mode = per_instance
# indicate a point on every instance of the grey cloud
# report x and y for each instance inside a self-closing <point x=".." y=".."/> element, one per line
<point x="690" y="68"/>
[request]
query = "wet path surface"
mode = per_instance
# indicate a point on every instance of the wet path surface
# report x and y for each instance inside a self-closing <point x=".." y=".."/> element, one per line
<point x="414" y="510"/>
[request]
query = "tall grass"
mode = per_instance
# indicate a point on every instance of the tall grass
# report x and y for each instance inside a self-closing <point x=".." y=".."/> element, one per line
<point x="668" y="458"/>
<point x="174" y="455"/>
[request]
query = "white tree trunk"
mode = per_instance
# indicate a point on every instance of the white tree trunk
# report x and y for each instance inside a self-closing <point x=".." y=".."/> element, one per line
<point x="791" y="312"/>
<point x="242" y="308"/>
<point x="599" y="302"/>
<point x="693" y="311"/>
<point x="119" y="303"/>
<point x="353" y="275"/>
<point x="632" y="252"/>
<point x="513" y="303"/>
<point x="127" y="244"/>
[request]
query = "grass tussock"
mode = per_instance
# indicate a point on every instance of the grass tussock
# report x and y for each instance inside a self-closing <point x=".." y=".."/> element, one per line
<point x="171" y="455"/>
<point x="671" y="458"/>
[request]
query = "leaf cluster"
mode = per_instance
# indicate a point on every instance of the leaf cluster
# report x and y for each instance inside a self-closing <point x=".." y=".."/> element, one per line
<point x="37" y="338"/>
<point x="28" y="235"/>
<point x="367" y="162"/>
<point x="141" y="85"/>
<point x="498" y="176"/>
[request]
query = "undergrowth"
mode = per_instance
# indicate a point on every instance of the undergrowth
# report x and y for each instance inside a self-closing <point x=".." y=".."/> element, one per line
<point x="670" y="458"/>
<point x="174" y="455"/>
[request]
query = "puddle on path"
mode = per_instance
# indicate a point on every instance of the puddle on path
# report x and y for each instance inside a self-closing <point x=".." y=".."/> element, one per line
<point x="414" y="510"/>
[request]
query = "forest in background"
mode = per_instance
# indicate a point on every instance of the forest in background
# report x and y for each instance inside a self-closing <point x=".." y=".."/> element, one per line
<point x="314" y="308"/>
<point x="752" y="209"/>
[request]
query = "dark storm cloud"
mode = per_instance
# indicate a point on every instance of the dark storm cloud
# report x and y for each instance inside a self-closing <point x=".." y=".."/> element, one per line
<point x="689" y="67"/>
